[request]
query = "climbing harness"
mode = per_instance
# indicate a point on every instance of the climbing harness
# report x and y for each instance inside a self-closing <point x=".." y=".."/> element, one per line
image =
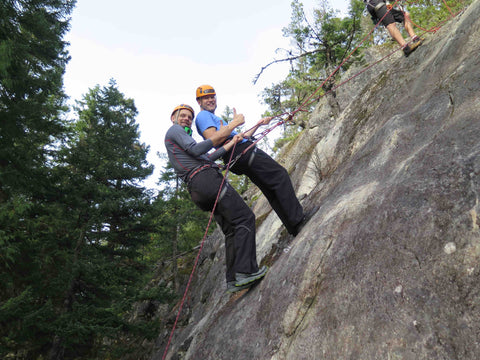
<point x="197" y="170"/>
<point x="256" y="140"/>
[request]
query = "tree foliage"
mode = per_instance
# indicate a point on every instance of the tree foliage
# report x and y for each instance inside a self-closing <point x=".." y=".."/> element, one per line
<point x="319" y="45"/>
<point x="32" y="63"/>
<point x="428" y="14"/>
<point x="77" y="268"/>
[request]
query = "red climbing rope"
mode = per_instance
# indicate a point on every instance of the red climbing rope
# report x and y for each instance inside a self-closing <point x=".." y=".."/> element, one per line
<point x="448" y="8"/>
<point x="196" y="259"/>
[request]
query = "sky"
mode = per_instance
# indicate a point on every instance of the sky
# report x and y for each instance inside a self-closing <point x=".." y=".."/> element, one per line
<point x="159" y="52"/>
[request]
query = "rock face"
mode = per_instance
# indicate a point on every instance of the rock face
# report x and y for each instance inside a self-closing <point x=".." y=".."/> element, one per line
<point x="388" y="267"/>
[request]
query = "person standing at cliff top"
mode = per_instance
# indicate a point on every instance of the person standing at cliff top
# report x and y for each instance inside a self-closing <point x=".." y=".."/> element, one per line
<point x="198" y="170"/>
<point x="272" y="179"/>
<point x="378" y="9"/>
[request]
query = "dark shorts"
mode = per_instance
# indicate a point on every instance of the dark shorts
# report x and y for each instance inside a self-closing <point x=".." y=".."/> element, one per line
<point x="393" y="16"/>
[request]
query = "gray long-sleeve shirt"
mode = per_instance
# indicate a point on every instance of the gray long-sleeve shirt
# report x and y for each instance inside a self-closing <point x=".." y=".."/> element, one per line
<point x="186" y="155"/>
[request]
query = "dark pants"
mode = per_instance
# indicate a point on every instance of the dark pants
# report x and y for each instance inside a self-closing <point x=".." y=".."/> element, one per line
<point x="234" y="217"/>
<point x="273" y="180"/>
<point x="393" y="16"/>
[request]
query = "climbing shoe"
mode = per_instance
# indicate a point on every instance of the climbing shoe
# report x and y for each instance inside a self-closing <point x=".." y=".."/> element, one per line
<point x="409" y="48"/>
<point x="306" y="218"/>
<point x="231" y="288"/>
<point x="243" y="279"/>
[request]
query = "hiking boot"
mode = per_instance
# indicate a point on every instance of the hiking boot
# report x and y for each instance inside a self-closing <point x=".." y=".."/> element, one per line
<point x="243" y="279"/>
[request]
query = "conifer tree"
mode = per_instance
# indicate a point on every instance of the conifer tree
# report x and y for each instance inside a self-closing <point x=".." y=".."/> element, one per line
<point x="32" y="63"/>
<point x="71" y="293"/>
<point x="104" y="166"/>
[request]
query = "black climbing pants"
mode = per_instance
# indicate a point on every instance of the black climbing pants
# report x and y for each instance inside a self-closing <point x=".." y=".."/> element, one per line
<point x="234" y="217"/>
<point x="272" y="179"/>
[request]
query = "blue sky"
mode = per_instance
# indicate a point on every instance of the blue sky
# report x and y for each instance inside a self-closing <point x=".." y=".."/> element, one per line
<point x="160" y="51"/>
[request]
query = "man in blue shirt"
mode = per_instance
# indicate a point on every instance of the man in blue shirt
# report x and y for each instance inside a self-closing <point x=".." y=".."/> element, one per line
<point x="198" y="170"/>
<point x="272" y="179"/>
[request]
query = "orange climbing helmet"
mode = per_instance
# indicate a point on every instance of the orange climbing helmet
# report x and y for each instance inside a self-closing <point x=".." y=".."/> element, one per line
<point x="184" y="106"/>
<point x="205" y="90"/>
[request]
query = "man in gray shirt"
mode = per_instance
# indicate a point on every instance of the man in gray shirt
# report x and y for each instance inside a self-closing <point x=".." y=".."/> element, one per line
<point x="197" y="168"/>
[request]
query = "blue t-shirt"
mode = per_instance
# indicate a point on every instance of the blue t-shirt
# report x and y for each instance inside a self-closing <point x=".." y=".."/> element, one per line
<point x="206" y="119"/>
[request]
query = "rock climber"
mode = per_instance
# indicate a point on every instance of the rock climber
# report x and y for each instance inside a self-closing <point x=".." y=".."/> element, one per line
<point x="272" y="179"/>
<point x="197" y="168"/>
<point x="381" y="10"/>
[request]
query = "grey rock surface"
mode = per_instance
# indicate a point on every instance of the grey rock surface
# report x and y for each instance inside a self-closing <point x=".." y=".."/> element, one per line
<point x="388" y="267"/>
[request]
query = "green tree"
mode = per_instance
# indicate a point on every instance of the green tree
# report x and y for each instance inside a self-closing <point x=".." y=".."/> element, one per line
<point x="81" y="269"/>
<point x="32" y="63"/>
<point x="320" y="45"/>
<point x="426" y="14"/>
<point x="106" y="163"/>
<point x="227" y="114"/>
